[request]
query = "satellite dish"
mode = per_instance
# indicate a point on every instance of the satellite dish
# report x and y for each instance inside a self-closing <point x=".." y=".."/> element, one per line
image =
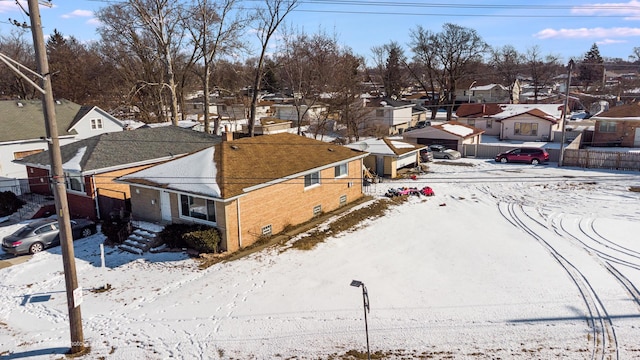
<point x="363" y="146"/>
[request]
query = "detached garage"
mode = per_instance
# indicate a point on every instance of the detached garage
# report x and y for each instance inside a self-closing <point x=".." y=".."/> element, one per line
<point x="386" y="156"/>
<point x="451" y="134"/>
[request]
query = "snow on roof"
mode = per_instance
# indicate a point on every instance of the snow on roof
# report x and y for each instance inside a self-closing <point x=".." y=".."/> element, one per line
<point x="457" y="129"/>
<point x="379" y="147"/>
<point x="509" y="110"/>
<point x="487" y="87"/>
<point x="181" y="173"/>
<point x="74" y="163"/>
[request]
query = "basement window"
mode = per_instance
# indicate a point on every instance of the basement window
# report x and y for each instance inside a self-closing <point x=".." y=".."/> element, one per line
<point x="267" y="230"/>
<point x="343" y="200"/>
<point x="317" y="210"/>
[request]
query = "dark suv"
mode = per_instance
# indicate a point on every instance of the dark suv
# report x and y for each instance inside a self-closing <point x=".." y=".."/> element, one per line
<point x="525" y="155"/>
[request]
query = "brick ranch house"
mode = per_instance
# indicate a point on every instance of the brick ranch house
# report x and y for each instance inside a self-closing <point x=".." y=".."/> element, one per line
<point x="90" y="165"/>
<point x="250" y="187"/>
<point x="619" y="126"/>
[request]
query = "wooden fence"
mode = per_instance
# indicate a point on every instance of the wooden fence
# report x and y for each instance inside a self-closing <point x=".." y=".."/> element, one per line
<point x="588" y="158"/>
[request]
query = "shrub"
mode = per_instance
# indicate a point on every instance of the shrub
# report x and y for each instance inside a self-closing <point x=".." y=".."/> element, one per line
<point x="204" y="241"/>
<point x="9" y="203"/>
<point x="172" y="234"/>
<point x="116" y="230"/>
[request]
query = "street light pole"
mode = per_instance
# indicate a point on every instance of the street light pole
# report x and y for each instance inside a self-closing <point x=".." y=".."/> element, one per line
<point x="365" y="303"/>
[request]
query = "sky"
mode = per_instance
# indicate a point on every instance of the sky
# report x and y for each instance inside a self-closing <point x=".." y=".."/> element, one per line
<point x="563" y="28"/>
<point x="504" y="261"/>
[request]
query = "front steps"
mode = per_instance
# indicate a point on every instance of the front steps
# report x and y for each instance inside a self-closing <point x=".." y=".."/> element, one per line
<point x="142" y="239"/>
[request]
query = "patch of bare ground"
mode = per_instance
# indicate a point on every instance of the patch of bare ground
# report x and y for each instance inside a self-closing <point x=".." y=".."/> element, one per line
<point x="634" y="188"/>
<point x="347" y="222"/>
<point x="346" y="219"/>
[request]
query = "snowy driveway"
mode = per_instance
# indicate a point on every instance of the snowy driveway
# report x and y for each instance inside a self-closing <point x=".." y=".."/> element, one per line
<point x="506" y="261"/>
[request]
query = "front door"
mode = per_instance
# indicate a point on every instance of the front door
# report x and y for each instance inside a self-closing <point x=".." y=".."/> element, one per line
<point x="165" y="206"/>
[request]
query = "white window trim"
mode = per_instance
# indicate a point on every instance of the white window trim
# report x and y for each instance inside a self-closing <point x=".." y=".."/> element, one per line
<point x="313" y="185"/>
<point x="346" y="170"/>
<point x="194" y="219"/>
<point x="67" y="183"/>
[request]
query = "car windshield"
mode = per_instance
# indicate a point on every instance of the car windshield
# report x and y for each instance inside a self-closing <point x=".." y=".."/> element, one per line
<point x="22" y="231"/>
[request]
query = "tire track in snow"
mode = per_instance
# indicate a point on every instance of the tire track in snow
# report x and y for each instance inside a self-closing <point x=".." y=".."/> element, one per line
<point x="604" y="343"/>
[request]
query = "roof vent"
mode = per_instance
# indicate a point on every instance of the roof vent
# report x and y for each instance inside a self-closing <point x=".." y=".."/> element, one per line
<point x="58" y="102"/>
<point x="20" y="104"/>
<point x="331" y="149"/>
<point x="234" y="147"/>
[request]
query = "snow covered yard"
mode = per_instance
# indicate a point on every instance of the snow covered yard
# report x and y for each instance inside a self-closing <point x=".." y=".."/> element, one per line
<point x="505" y="261"/>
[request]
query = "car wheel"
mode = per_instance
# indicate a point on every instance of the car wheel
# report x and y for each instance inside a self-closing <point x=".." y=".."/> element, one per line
<point x="36" y="247"/>
<point x="535" y="161"/>
<point x="504" y="160"/>
<point x="447" y="157"/>
<point x="86" y="232"/>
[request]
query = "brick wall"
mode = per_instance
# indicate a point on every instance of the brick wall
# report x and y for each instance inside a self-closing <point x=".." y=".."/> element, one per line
<point x="286" y="204"/>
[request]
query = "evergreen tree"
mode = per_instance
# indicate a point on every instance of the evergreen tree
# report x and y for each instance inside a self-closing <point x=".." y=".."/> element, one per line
<point x="591" y="68"/>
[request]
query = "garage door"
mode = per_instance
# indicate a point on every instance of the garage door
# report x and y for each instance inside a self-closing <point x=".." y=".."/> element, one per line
<point x="450" y="144"/>
<point x="405" y="160"/>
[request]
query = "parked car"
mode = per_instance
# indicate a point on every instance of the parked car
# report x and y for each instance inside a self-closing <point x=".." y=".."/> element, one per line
<point x="426" y="155"/>
<point x="43" y="233"/>
<point x="441" y="152"/>
<point x="524" y="155"/>
<point x="419" y="125"/>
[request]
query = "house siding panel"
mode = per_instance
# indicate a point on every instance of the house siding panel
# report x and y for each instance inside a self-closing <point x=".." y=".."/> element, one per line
<point x="81" y="206"/>
<point x="39" y="181"/>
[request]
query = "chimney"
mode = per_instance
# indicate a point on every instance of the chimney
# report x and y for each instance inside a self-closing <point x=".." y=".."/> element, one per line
<point x="227" y="135"/>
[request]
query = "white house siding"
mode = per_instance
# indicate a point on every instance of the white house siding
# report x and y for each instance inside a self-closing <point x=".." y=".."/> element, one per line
<point x="481" y="123"/>
<point x="8" y="152"/>
<point x="84" y="127"/>
<point x="544" y="133"/>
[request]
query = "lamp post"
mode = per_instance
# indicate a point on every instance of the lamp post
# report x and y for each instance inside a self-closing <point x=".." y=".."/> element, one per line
<point x="470" y="86"/>
<point x="365" y="302"/>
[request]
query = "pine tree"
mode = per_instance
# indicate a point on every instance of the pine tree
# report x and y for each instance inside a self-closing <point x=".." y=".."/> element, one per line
<point x="591" y="68"/>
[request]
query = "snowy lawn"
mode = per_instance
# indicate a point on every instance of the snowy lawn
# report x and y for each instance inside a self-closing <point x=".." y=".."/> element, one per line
<point x="505" y="261"/>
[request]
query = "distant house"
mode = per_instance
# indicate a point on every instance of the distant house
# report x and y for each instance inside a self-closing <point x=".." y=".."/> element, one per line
<point x="249" y="188"/>
<point x="23" y="129"/>
<point x="490" y="93"/>
<point x="387" y="156"/>
<point x="529" y="122"/>
<point x="91" y="164"/>
<point x="311" y="112"/>
<point x="480" y="116"/>
<point x="619" y="126"/>
<point x="393" y="115"/>
<point x="451" y="134"/>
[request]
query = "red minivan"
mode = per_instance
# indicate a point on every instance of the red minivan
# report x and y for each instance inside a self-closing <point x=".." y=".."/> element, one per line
<point x="524" y="155"/>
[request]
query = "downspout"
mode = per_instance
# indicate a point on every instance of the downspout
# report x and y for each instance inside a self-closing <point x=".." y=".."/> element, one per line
<point x="239" y="226"/>
<point x="95" y="195"/>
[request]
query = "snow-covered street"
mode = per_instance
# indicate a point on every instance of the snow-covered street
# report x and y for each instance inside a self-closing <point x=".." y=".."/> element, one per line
<point x="505" y="261"/>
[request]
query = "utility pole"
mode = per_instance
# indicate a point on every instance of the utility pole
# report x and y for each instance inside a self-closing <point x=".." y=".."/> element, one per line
<point x="74" y="294"/>
<point x="564" y="114"/>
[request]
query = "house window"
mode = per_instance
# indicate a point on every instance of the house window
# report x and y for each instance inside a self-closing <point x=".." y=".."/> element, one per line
<point x="197" y="208"/>
<point x="527" y="129"/>
<point x="74" y="182"/>
<point x="267" y="230"/>
<point x="96" y="124"/>
<point x="317" y="210"/>
<point x="312" y="179"/>
<point x="341" y="170"/>
<point x="607" y="126"/>
<point x="379" y="113"/>
<point x="471" y="122"/>
<point x="343" y="200"/>
<point x="489" y="124"/>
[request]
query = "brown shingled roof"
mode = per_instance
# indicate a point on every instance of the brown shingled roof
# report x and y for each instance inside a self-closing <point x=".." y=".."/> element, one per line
<point x="477" y="110"/>
<point x="622" y="111"/>
<point x="256" y="160"/>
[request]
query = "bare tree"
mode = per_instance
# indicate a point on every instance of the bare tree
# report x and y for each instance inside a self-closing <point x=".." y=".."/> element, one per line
<point x="507" y="63"/>
<point x="268" y="21"/>
<point x="18" y="49"/>
<point x="308" y="64"/>
<point x="450" y="53"/>
<point x="541" y="68"/>
<point x="215" y="28"/>
<point x="390" y="61"/>
<point x="153" y="29"/>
